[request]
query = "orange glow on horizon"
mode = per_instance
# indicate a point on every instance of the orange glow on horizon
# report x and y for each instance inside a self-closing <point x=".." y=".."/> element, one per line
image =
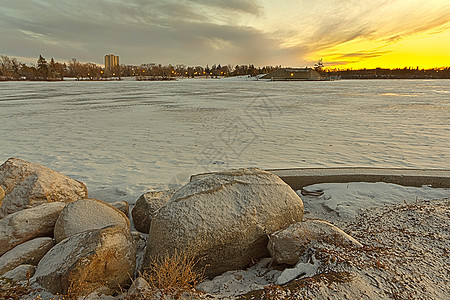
<point x="426" y="51"/>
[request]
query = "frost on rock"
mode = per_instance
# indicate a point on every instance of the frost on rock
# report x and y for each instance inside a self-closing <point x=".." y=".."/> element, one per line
<point x="286" y="246"/>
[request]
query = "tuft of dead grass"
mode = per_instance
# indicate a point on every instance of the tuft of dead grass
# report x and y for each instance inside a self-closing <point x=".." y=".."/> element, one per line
<point x="173" y="274"/>
<point x="12" y="290"/>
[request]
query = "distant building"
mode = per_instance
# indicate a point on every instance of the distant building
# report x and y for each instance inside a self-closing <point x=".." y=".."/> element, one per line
<point x="111" y="63"/>
<point x="293" y="74"/>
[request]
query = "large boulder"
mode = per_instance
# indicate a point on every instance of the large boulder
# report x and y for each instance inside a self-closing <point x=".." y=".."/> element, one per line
<point x="28" y="185"/>
<point x="87" y="261"/>
<point x="87" y="214"/>
<point x="286" y="246"/>
<point x="29" y="252"/>
<point x="224" y="219"/>
<point x="146" y="206"/>
<point x="28" y="224"/>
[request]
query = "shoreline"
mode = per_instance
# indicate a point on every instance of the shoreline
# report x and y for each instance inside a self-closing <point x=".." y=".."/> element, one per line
<point x="380" y="225"/>
<point x="297" y="178"/>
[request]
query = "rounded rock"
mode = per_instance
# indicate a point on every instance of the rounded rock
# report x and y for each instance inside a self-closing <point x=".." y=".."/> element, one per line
<point x="87" y="214"/>
<point x="146" y="206"/>
<point x="286" y="246"/>
<point x="87" y="261"/>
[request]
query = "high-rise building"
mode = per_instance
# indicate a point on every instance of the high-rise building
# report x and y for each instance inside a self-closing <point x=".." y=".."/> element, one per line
<point x="111" y="62"/>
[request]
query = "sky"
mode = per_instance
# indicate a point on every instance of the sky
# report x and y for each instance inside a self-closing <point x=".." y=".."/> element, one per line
<point x="295" y="33"/>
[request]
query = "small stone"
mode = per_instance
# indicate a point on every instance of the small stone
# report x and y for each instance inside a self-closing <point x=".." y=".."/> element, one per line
<point x="123" y="206"/>
<point x="29" y="252"/>
<point x="139" y="286"/>
<point x="146" y="206"/>
<point x="20" y="273"/>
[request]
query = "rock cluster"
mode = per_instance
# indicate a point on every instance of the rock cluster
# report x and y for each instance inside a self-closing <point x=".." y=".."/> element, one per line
<point x="52" y="234"/>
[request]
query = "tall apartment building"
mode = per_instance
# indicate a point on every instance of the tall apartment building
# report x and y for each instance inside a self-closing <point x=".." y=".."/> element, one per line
<point x="111" y="62"/>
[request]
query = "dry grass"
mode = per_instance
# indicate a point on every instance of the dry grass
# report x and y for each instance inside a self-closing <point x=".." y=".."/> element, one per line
<point x="11" y="290"/>
<point x="173" y="274"/>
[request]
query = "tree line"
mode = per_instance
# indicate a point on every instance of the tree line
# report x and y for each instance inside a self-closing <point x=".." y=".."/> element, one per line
<point x="12" y="69"/>
<point x="380" y="73"/>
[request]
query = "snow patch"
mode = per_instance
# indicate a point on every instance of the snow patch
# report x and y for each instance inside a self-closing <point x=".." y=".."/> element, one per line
<point x="301" y="270"/>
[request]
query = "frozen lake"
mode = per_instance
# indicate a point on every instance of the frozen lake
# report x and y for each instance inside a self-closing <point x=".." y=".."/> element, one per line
<point x="124" y="138"/>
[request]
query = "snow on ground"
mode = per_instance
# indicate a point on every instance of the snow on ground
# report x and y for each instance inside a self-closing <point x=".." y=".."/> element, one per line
<point x="344" y="200"/>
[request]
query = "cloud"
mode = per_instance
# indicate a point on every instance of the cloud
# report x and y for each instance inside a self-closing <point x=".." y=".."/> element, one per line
<point x="377" y="23"/>
<point x="138" y="30"/>
<point x="209" y="31"/>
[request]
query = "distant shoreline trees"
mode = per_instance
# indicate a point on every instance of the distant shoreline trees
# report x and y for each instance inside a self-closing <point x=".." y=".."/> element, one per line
<point x="12" y="69"/>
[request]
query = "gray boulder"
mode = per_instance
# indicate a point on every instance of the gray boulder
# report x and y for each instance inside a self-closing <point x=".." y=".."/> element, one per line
<point x="146" y="206"/>
<point x="87" y="214"/>
<point x="88" y="261"/>
<point x="286" y="246"/>
<point x="224" y="219"/>
<point x="20" y="273"/>
<point x="27" y="185"/>
<point x="29" y="252"/>
<point x="28" y="224"/>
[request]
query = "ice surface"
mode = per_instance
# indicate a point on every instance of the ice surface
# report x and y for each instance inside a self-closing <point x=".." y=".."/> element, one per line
<point x="125" y="138"/>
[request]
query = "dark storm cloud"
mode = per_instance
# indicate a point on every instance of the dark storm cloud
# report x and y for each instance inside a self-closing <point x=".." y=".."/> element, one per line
<point x="191" y="32"/>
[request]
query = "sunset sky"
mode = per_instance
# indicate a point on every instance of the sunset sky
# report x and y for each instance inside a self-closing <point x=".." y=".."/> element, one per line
<point x="345" y="33"/>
